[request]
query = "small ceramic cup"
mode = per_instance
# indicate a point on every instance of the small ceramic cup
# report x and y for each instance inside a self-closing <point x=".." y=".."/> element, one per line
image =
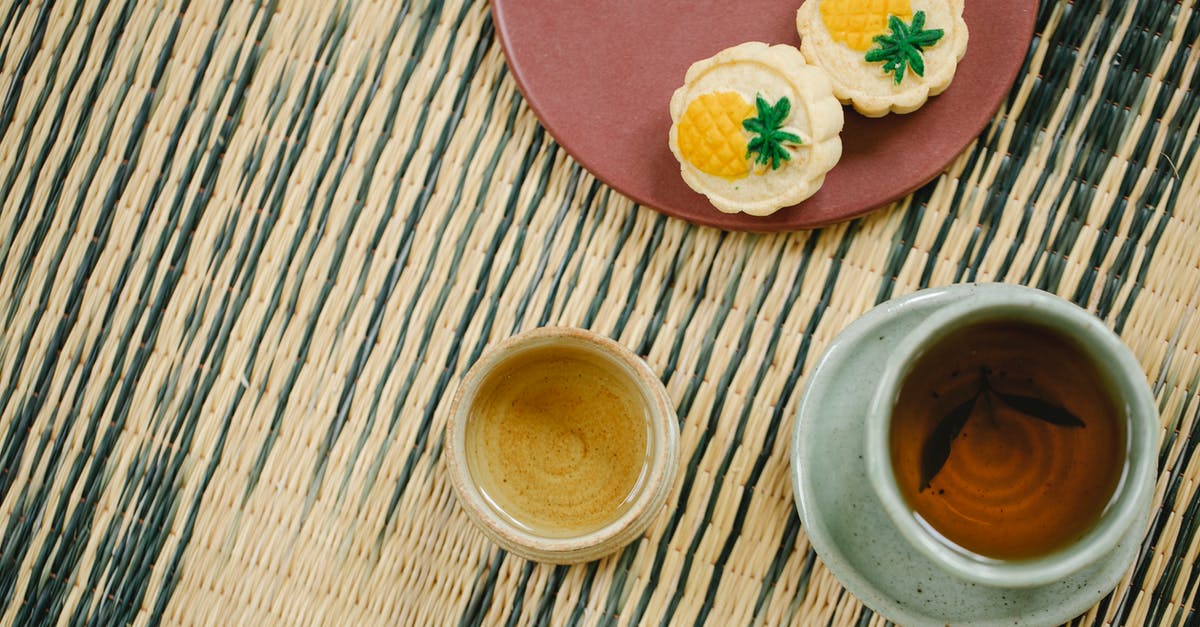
<point x="657" y="479"/>
<point x="1134" y="493"/>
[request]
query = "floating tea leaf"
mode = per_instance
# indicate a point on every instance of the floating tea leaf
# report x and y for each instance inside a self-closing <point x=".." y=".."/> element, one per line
<point x="1042" y="410"/>
<point x="936" y="449"/>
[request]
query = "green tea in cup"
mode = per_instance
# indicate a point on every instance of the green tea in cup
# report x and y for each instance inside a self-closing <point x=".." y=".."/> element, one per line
<point x="556" y="440"/>
<point x="561" y="445"/>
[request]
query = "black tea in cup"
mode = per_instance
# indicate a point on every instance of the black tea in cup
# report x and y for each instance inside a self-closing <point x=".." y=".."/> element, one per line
<point x="1006" y="440"/>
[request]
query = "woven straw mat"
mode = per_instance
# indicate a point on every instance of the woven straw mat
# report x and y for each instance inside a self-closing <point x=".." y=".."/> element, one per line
<point x="248" y="250"/>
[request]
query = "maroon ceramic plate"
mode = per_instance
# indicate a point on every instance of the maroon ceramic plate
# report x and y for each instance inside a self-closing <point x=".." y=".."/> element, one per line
<point x="600" y="76"/>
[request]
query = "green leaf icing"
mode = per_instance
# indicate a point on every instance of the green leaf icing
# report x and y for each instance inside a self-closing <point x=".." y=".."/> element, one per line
<point x="904" y="48"/>
<point x="767" y="146"/>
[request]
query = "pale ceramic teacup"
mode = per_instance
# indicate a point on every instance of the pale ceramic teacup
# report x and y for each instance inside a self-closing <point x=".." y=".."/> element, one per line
<point x="1126" y="513"/>
<point x="641" y="506"/>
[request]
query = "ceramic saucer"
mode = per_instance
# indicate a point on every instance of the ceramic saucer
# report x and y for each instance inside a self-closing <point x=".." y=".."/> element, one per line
<point x="847" y="524"/>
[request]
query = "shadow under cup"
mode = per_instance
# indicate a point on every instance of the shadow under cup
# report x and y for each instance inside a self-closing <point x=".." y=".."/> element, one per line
<point x="989" y="401"/>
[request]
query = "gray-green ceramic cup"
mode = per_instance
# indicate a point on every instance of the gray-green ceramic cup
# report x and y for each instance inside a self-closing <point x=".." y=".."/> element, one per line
<point x="1126" y="512"/>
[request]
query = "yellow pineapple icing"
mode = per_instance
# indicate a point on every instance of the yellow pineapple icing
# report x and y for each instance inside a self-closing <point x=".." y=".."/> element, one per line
<point x="711" y="136"/>
<point x="857" y="22"/>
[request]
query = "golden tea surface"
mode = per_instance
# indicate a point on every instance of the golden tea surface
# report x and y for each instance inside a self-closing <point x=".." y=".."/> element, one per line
<point x="1006" y="441"/>
<point x="557" y="441"/>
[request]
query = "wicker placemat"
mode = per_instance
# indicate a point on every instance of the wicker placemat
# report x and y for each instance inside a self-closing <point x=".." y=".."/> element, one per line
<point x="247" y="250"/>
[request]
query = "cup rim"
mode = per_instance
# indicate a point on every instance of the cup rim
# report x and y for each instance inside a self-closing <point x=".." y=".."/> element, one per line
<point x="1133" y="491"/>
<point x="652" y="491"/>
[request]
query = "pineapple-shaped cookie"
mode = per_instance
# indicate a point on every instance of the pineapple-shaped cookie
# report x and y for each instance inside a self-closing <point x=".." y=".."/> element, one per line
<point x="884" y="56"/>
<point x="755" y="128"/>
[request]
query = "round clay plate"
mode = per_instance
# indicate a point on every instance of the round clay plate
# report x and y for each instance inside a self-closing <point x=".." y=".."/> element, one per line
<point x="600" y="77"/>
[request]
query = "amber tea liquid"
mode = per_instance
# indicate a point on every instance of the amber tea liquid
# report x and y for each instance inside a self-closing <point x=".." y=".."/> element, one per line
<point x="557" y="441"/>
<point x="1019" y="479"/>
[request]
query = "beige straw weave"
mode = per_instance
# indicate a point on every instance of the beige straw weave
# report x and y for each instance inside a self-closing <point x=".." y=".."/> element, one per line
<point x="248" y="250"/>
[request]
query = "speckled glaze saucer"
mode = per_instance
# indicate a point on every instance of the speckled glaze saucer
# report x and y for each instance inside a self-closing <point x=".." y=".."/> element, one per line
<point x="846" y="522"/>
